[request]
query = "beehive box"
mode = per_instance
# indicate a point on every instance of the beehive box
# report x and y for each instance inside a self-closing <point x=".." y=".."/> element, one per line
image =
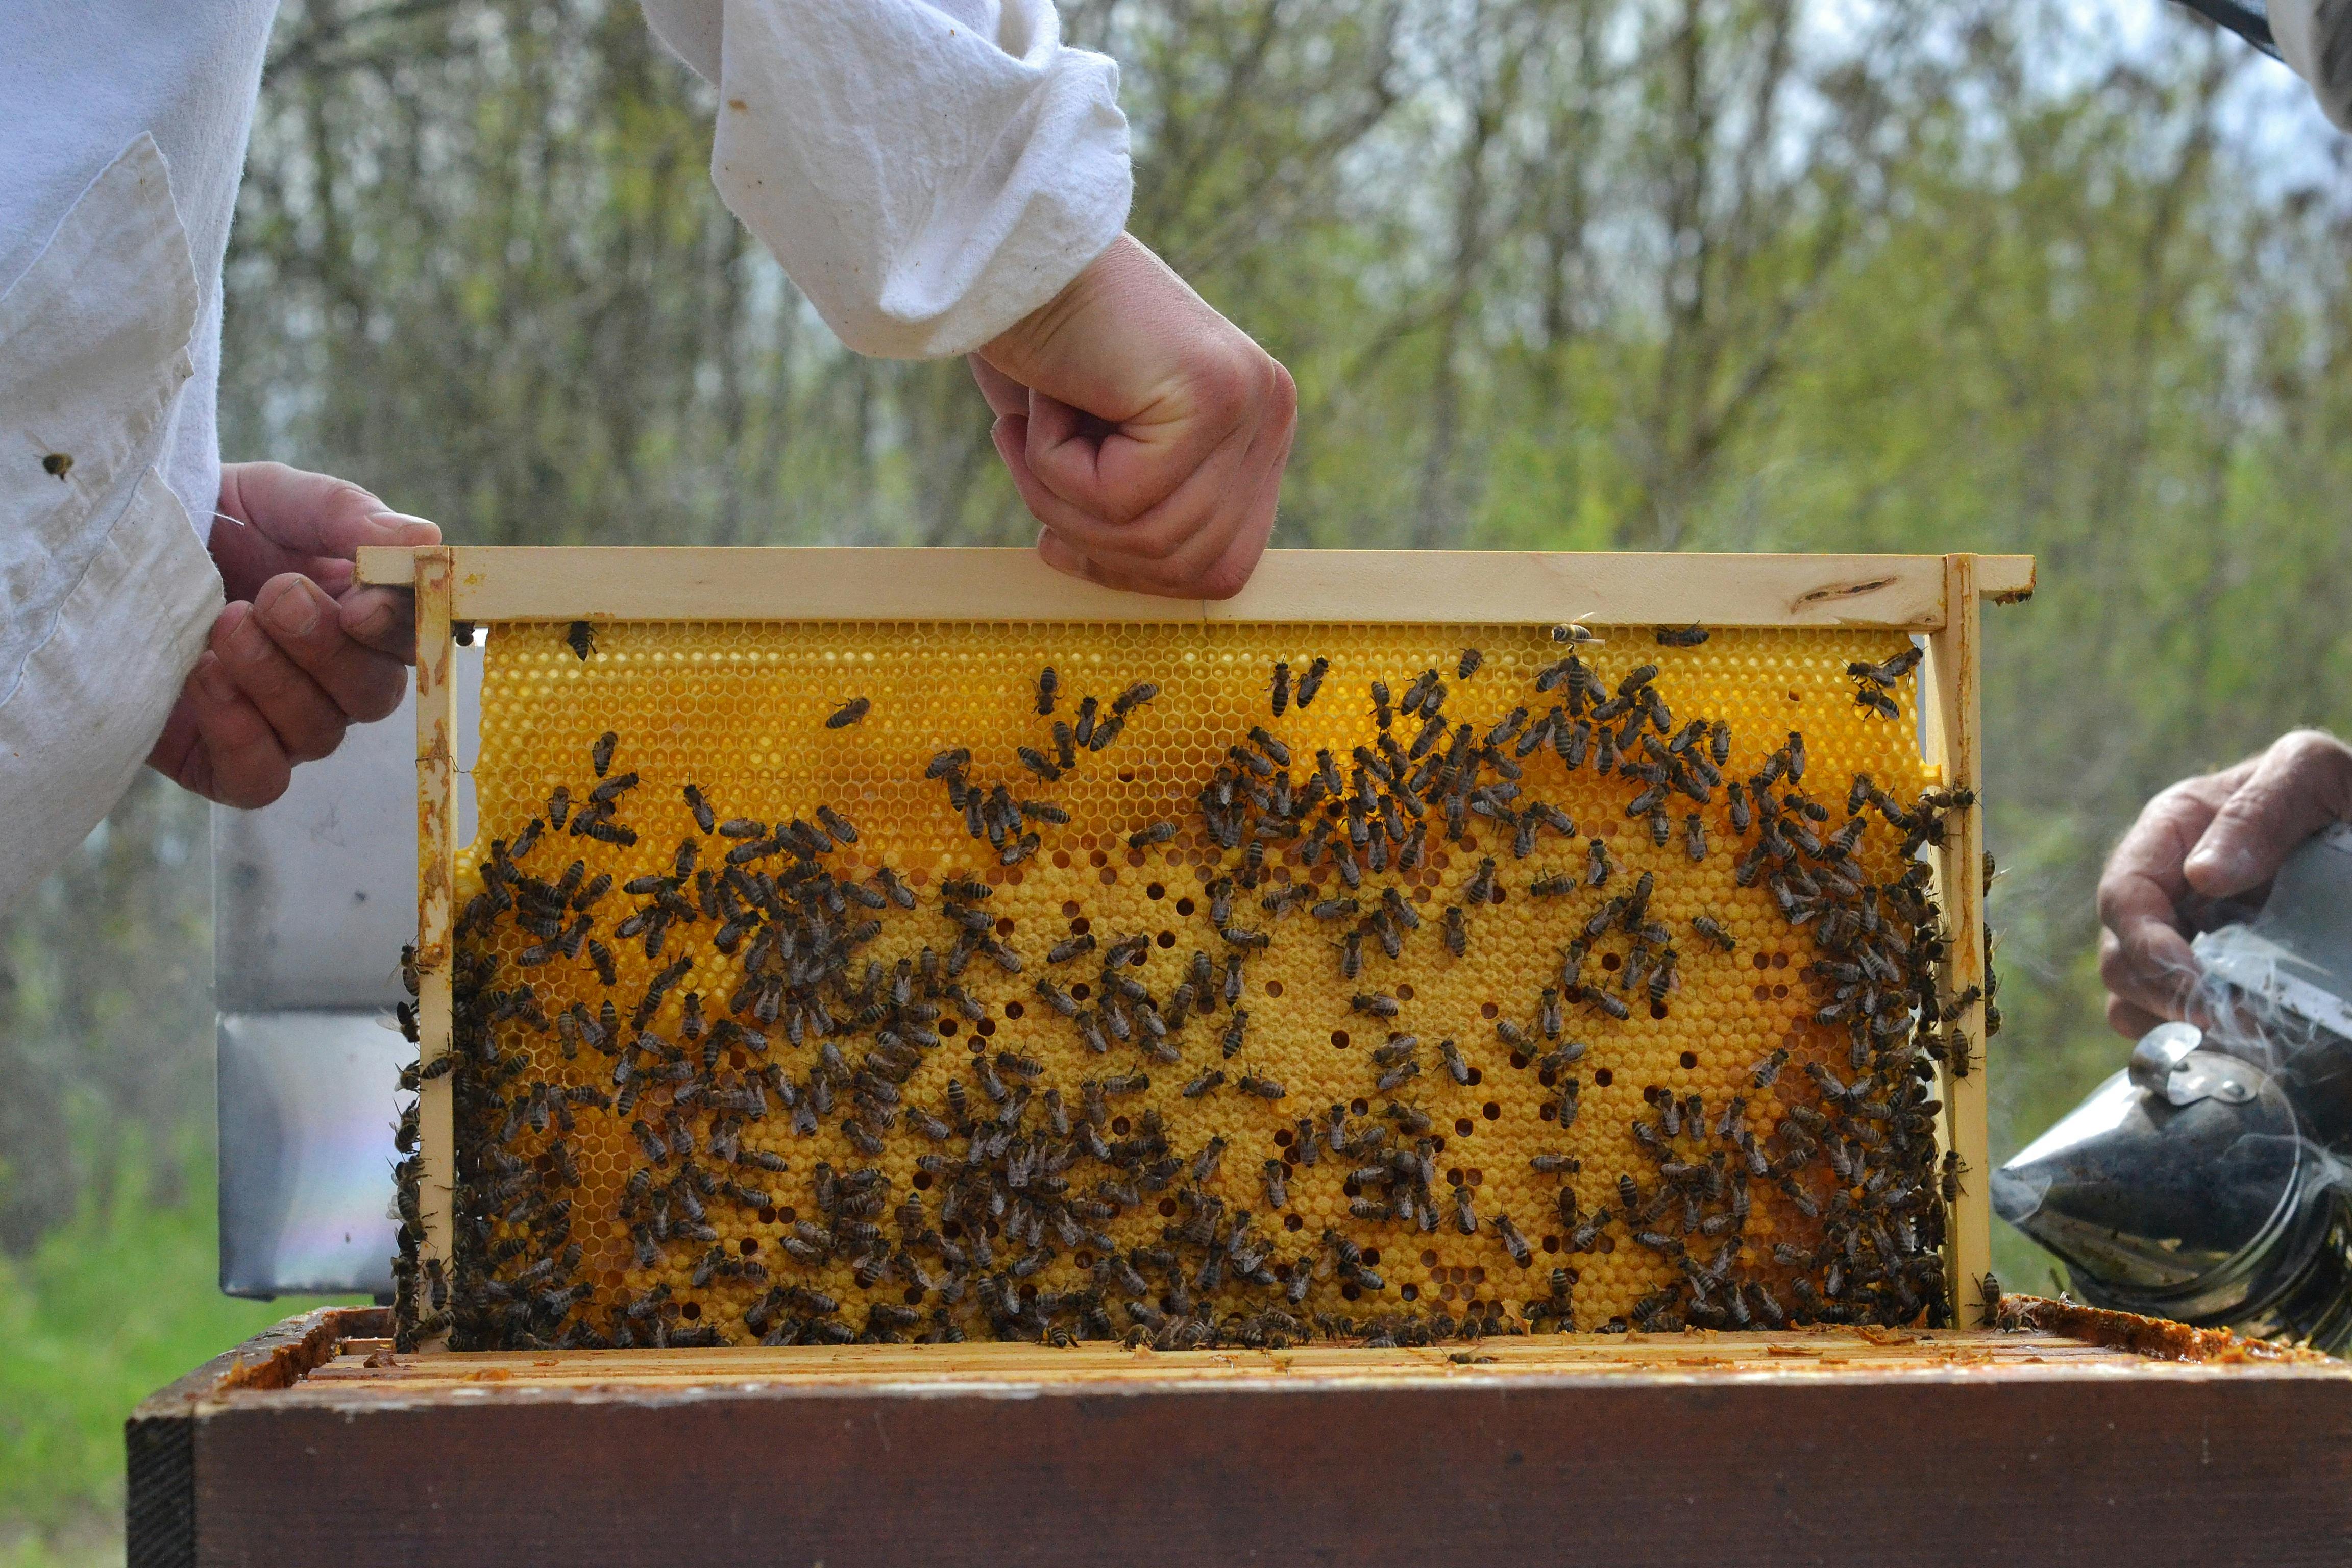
<point x="1551" y="967"/>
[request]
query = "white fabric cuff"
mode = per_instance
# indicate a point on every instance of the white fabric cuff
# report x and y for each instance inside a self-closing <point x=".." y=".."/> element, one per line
<point x="927" y="173"/>
<point x="2314" y="36"/>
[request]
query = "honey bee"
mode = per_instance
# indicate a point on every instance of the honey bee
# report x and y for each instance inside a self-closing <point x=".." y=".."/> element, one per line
<point x="1457" y="932"/>
<point x="1048" y="683"/>
<point x="1513" y="1242"/>
<point x="581" y="639"/>
<point x="1210" y="1079"/>
<point x="1374" y="1004"/>
<point x="1064" y="950"/>
<point x="1695" y="836"/>
<point x="1381" y="715"/>
<point x="1573" y="633"/>
<point x="1471" y="659"/>
<point x="1888" y="673"/>
<point x="1466" y="1216"/>
<point x="1281" y="700"/>
<point x="849" y="713"/>
<point x="1457" y="1066"/>
<point x="1277" y="1185"/>
<point x="1712" y="928"/>
<point x="1690" y="636"/>
<point x="1954" y="1167"/>
<point x="1262" y="1087"/>
<point x="1610" y="1005"/>
<point x="942" y="763"/>
<point x="1158" y="833"/>
<point x="1311" y="681"/>
<point x="704" y="818"/>
<point x="1205" y="1165"/>
<point x="1134" y="696"/>
<point x="1235" y="1029"/>
<point x="1796" y="757"/>
<point x="1662" y="829"/>
<point x="600" y="754"/>
<point x="1876" y="701"/>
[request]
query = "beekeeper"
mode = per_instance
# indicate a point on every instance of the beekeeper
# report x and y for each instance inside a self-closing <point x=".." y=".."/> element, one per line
<point x="938" y="176"/>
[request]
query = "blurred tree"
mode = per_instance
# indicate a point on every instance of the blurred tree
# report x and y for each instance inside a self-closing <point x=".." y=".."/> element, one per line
<point x="1722" y="274"/>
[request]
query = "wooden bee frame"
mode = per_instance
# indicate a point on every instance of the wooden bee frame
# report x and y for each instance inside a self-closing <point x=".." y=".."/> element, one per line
<point x="1938" y="597"/>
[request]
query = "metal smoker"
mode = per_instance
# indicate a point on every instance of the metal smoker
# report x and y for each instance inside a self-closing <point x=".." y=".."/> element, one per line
<point x="2210" y="1181"/>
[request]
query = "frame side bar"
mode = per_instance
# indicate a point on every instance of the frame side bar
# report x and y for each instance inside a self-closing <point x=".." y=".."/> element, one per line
<point x="436" y="896"/>
<point x="1905" y="593"/>
<point x="1956" y="651"/>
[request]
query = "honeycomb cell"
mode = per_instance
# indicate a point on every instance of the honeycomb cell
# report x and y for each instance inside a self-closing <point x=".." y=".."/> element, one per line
<point x="1166" y="1016"/>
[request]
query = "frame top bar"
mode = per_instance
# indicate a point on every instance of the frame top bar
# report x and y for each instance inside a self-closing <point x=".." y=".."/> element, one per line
<point x="1905" y="593"/>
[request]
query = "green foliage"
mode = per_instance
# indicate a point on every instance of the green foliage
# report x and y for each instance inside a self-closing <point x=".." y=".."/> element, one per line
<point x="106" y="1014"/>
<point x="106" y="1310"/>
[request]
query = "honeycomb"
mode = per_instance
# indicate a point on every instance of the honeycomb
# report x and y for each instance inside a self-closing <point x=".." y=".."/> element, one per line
<point x="1532" y="1046"/>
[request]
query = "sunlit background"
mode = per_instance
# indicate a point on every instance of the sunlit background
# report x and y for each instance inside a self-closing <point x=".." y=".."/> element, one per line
<point x="1589" y="274"/>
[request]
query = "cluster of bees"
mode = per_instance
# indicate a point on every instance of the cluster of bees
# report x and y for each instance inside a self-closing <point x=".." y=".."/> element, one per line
<point x="989" y="1190"/>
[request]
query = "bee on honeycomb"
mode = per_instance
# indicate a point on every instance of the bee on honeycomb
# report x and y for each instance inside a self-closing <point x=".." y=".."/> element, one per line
<point x="1087" y="986"/>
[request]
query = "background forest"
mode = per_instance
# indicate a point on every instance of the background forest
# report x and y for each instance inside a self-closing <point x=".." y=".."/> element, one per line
<point x="1586" y="274"/>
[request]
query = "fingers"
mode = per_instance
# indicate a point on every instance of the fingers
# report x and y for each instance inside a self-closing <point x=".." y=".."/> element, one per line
<point x="306" y="722"/>
<point x="217" y="744"/>
<point x="1219" y="411"/>
<point x="1200" y="541"/>
<point x="2148" y="971"/>
<point x="1145" y="431"/>
<point x="2303" y="783"/>
<point x="278" y="683"/>
<point x="383" y="620"/>
<point x="276" y="520"/>
<point x="308" y="627"/>
<point x="1215" y="565"/>
<point x="2143" y="954"/>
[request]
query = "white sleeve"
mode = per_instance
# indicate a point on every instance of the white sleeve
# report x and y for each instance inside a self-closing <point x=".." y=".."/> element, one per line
<point x="2314" y="36"/>
<point x="928" y="172"/>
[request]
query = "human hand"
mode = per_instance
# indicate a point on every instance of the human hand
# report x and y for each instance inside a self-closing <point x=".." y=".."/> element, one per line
<point x="1146" y="432"/>
<point x="301" y="650"/>
<point x="2207" y="838"/>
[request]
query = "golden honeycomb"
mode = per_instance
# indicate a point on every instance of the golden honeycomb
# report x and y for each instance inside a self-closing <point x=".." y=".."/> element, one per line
<point x="1050" y="1238"/>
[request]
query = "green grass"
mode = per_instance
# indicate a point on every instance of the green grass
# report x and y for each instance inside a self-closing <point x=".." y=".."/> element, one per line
<point x="104" y="1313"/>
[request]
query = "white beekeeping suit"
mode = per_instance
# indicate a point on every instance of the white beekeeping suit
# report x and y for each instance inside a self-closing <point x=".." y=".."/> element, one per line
<point x="2314" y="36"/>
<point x="928" y="174"/>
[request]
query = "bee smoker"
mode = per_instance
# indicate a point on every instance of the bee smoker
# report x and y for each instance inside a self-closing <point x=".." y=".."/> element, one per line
<point x="2210" y="1181"/>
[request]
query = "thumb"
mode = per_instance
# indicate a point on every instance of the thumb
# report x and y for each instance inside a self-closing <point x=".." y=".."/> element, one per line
<point x="2301" y="783"/>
